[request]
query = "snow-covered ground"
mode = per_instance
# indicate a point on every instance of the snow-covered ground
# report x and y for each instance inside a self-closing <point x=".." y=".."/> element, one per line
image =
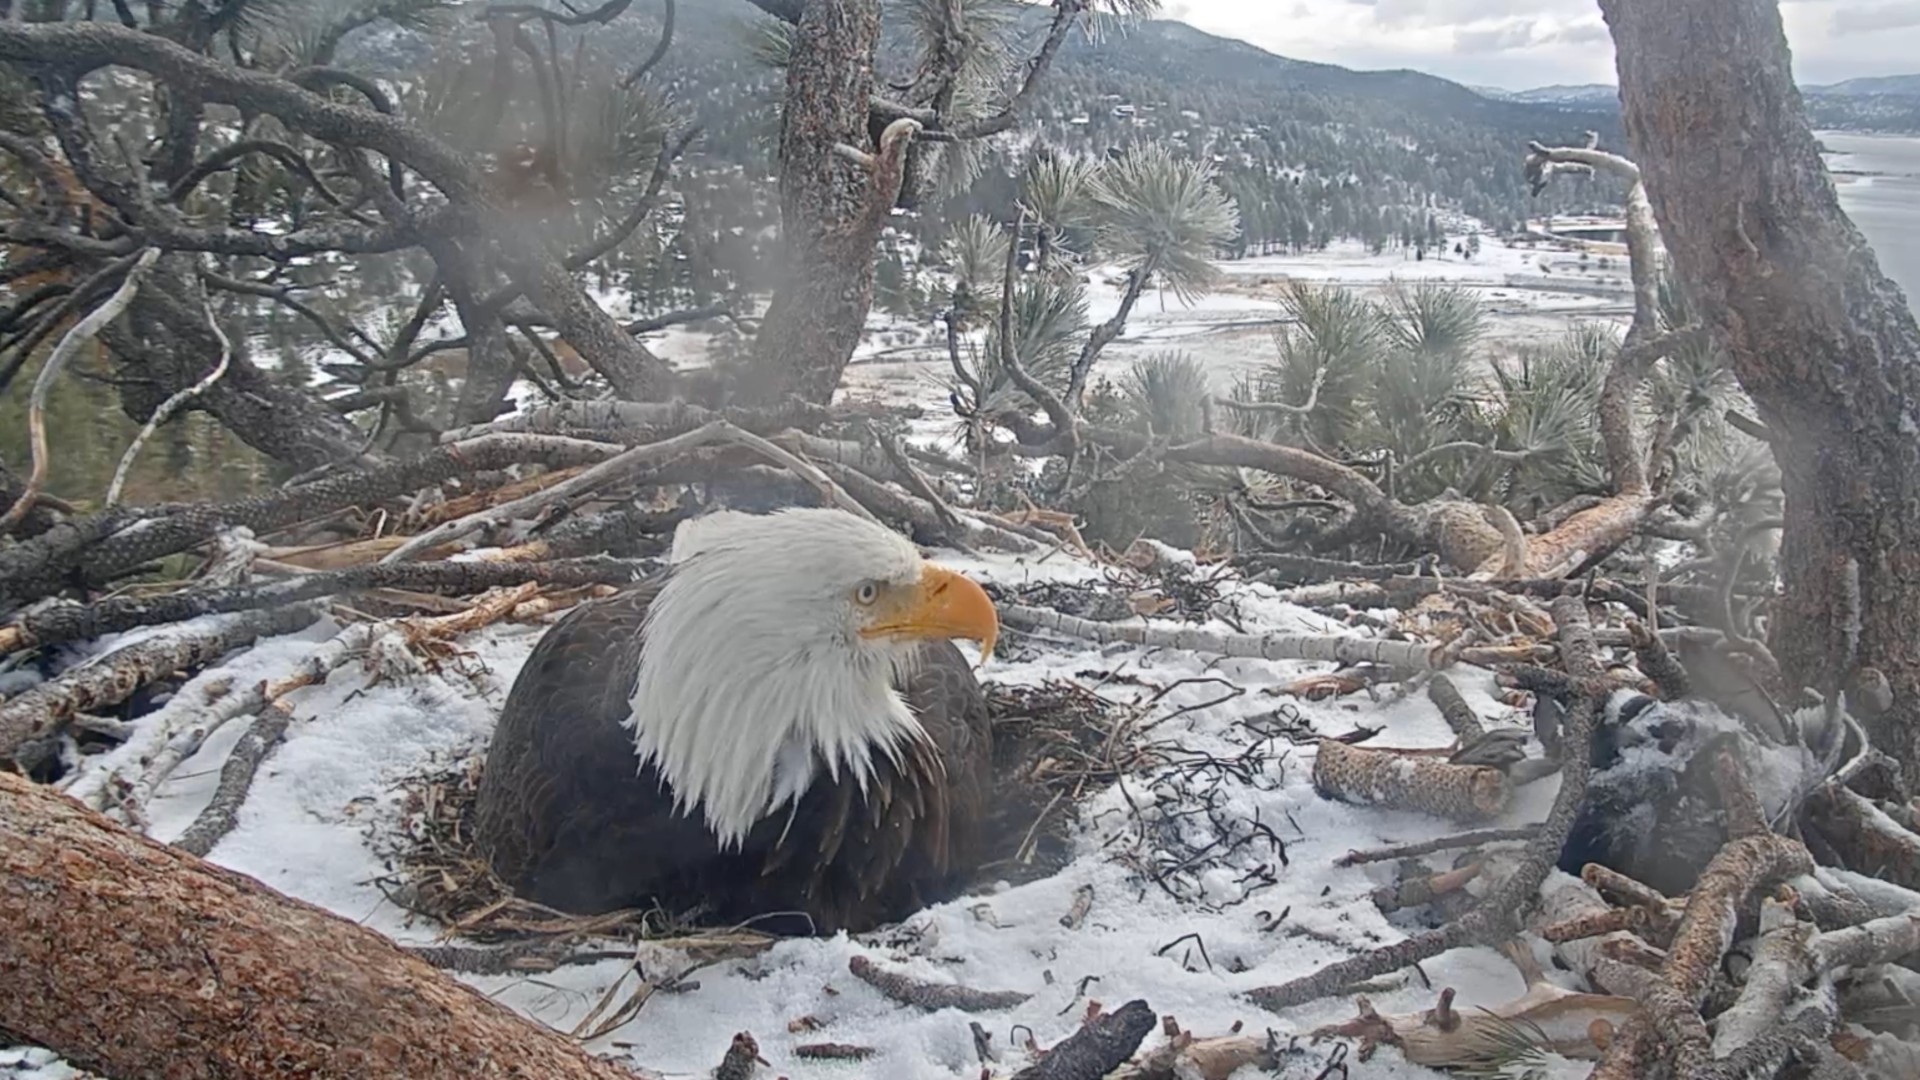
<point x="1253" y="917"/>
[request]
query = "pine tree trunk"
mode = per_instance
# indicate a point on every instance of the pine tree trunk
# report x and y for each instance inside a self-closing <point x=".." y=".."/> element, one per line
<point x="138" y="960"/>
<point x="1826" y="346"/>
<point x="820" y="307"/>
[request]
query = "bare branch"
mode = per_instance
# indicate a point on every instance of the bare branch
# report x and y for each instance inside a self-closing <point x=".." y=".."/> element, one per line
<point x="83" y="332"/>
<point x="173" y="404"/>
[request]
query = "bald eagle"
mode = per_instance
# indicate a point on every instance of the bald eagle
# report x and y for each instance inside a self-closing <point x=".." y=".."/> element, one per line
<point x="779" y="724"/>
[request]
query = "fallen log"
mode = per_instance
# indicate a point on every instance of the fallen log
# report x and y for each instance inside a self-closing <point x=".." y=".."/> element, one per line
<point x="135" y="959"/>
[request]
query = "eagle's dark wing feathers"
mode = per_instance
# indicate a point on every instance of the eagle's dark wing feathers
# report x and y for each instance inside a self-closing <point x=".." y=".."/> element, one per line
<point x="570" y="819"/>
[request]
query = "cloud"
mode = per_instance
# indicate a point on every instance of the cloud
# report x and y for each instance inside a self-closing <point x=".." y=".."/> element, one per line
<point x="1499" y="37"/>
<point x="1863" y="20"/>
<point x="1585" y="33"/>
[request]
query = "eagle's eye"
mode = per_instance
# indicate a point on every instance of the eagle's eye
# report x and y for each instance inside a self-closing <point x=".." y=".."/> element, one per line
<point x="866" y="594"/>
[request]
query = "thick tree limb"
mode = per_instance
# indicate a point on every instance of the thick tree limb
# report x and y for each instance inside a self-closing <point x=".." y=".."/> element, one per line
<point x="1409" y="782"/>
<point x="296" y="991"/>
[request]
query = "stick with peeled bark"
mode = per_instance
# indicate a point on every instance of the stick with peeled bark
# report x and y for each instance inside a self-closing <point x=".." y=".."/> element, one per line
<point x="45" y="709"/>
<point x="1327" y="648"/>
<point x="200" y="973"/>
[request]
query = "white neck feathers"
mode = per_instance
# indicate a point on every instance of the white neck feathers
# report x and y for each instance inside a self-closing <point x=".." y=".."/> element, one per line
<point x="751" y="675"/>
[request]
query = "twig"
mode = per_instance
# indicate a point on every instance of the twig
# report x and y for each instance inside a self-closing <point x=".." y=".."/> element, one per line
<point x="1429" y="847"/>
<point x="236" y="777"/>
<point x="614" y="468"/>
<point x="1328" y="648"/>
<point x="931" y="996"/>
<point x="172" y="405"/>
<point x="82" y="332"/>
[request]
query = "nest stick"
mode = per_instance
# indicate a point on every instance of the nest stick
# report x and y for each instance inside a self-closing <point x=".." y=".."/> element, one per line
<point x="1327" y="648"/>
<point x="929" y="995"/>
<point x="236" y="778"/>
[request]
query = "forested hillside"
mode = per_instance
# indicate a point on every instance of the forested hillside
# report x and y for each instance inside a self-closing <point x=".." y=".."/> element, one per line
<point x="1310" y="152"/>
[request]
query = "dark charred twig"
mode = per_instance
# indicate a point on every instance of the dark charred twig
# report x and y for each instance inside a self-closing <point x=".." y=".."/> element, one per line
<point x="1102" y="1045"/>
<point x="931" y="996"/>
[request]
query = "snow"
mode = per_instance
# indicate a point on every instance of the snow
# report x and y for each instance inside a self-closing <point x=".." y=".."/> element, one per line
<point x="1239" y="917"/>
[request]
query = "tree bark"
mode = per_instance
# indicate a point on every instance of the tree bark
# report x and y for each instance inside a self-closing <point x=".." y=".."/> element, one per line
<point x="1822" y="341"/>
<point x="134" y="959"/>
<point x="820" y="308"/>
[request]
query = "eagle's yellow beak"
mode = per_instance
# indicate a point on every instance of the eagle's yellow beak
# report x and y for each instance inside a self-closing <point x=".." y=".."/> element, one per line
<point x="943" y="605"/>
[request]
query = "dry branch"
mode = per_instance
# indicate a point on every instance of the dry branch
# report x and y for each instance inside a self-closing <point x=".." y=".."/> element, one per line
<point x="1343" y="649"/>
<point x="1867" y="838"/>
<point x="931" y="996"/>
<point x="173" y="404"/>
<point x="45" y="709"/>
<point x="609" y="471"/>
<point x="1401" y="781"/>
<point x="1454" y="709"/>
<point x="296" y="991"/>
<point x="56" y="623"/>
<point x="98" y="548"/>
<point x="1428" y="847"/>
<point x="1445" y="1037"/>
<point x="1497" y="914"/>
<point x="1706" y="930"/>
<point x="82" y="333"/>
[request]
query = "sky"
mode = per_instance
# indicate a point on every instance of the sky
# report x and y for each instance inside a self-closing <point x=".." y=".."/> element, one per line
<point x="1519" y="44"/>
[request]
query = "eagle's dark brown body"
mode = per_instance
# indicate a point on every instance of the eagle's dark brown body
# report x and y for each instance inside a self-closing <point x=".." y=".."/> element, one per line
<point x="569" y="818"/>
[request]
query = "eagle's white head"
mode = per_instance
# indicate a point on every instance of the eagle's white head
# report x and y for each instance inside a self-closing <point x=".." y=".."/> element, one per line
<point x="772" y="649"/>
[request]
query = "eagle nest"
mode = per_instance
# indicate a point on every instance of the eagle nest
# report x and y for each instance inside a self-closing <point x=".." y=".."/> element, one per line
<point x="1055" y="745"/>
